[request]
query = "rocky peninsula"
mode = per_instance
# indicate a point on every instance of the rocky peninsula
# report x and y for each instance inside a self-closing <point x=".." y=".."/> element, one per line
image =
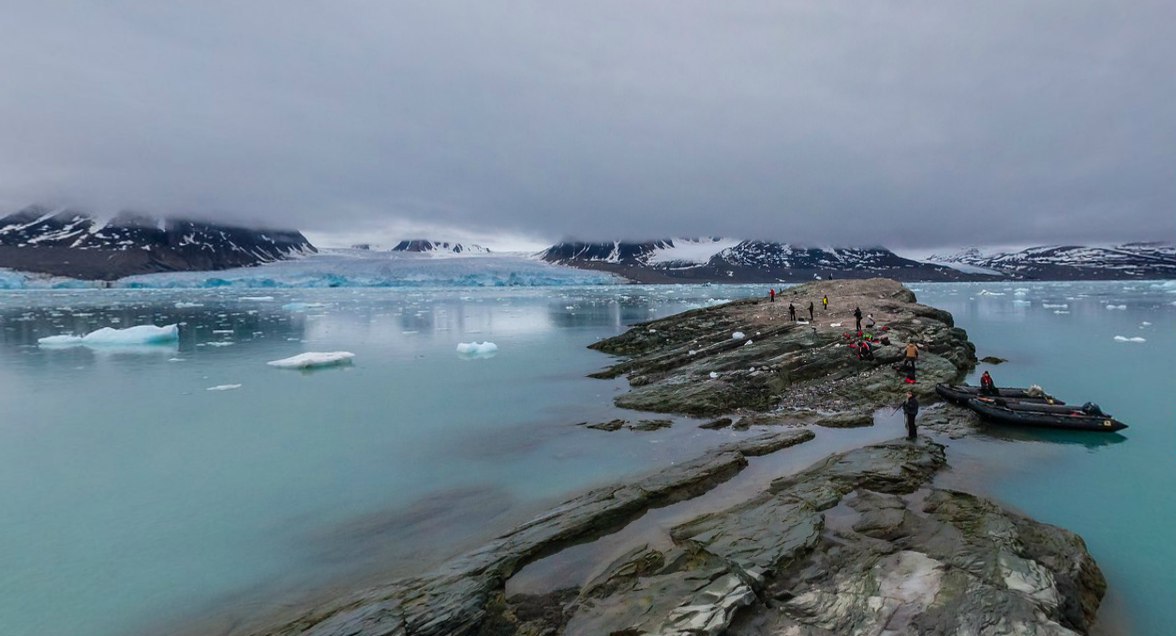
<point x="862" y="542"/>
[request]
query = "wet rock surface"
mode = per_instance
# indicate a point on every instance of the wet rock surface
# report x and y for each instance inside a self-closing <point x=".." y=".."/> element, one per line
<point x="691" y="363"/>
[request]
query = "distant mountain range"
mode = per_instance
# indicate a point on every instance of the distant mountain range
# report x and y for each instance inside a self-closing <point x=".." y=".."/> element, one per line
<point x="733" y="260"/>
<point x="1070" y="262"/>
<point x="77" y="245"/>
<point x="74" y="244"/>
<point x="738" y="261"/>
<point x="424" y="246"/>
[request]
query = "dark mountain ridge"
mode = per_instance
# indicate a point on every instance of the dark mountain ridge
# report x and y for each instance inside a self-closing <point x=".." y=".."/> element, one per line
<point x="75" y="244"/>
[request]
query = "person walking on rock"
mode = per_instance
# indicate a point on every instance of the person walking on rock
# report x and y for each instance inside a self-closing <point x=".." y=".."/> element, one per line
<point x="810" y="311"/>
<point x="792" y="312"/>
<point x="772" y="295"/>
<point x="825" y="301"/>
<point x="910" y="408"/>
<point x="857" y="318"/>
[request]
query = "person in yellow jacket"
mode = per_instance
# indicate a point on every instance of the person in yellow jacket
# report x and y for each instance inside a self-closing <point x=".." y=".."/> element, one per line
<point x="910" y="355"/>
<point x="825" y="302"/>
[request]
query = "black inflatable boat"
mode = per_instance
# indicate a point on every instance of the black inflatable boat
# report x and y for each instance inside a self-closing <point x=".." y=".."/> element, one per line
<point x="961" y="393"/>
<point x="1045" y="416"/>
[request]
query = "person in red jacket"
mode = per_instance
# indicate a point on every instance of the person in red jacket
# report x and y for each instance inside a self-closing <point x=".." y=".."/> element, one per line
<point x="987" y="387"/>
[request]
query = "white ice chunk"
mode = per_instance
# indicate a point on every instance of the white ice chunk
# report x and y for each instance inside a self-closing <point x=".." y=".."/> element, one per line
<point x="223" y="387"/>
<point x="1116" y="306"/>
<point x="258" y="298"/>
<point x="477" y="349"/>
<point x="184" y="304"/>
<point x="313" y="360"/>
<point x="738" y="335"/>
<point x="1126" y="339"/>
<point x="140" y="335"/>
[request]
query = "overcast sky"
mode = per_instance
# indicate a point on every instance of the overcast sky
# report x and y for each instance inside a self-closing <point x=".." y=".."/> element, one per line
<point x="905" y="124"/>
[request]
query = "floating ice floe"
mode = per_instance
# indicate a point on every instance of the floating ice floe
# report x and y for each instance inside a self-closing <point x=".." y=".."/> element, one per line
<point x="1116" y="306"/>
<point x="223" y="387"/>
<point x="260" y="299"/>
<point x="738" y="335"/>
<point x="1061" y="311"/>
<point x="1145" y="324"/>
<point x="1125" y="339"/>
<point x="985" y="292"/>
<point x="477" y="349"/>
<point x="184" y="304"/>
<point x="109" y="336"/>
<point x="314" y="360"/>
<point x="1055" y="306"/>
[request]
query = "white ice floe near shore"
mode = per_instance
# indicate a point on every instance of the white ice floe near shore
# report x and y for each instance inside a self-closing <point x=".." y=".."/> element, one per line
<point x="1116" y="306"/>
<point x="1126" y="339"/>
<point x="109" y="336"/>
<point x="477" y="349"/>
<point x="223" y="387"/>
<point x="314" y="360"/>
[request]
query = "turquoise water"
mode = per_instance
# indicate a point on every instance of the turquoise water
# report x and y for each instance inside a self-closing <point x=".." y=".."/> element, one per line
<point x="135" y="497"/>
<point x="1119" y="493"/>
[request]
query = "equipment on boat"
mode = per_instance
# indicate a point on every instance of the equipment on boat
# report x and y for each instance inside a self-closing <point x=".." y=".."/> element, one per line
<point x="1087" y="418"/>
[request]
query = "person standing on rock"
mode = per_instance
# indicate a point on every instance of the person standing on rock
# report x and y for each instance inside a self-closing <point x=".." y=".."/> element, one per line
<point x="772" y="295"/>
<point x="910" y="408"/>
<point x="910" y="356"/>
<point x="810" y="311"/>
<point x="857" y="318"/>
<point x="825" y="302"/>
<point x="792" y="312"/>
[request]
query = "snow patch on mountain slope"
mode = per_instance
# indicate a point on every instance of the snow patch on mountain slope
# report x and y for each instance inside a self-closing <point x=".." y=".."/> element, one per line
<point x="688" y="251"/>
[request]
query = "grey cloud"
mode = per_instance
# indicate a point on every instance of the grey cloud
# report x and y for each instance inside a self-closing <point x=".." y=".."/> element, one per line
<point x="841" y="122"/>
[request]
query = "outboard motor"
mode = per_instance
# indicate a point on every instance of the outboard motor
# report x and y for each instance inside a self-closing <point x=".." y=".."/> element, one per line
<point x="1090" y="408"/>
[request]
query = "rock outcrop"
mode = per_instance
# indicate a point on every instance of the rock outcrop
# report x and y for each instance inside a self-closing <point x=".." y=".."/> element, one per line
<point x="690" y="363"/>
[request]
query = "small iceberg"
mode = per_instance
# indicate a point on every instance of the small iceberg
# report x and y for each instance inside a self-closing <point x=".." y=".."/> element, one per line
<point x="477" y="349"/>
<point x="223" y="387"/>
<point x="184" y="304"/>
<point x="260" y="299"/>
<point x="1116" y="306"/>
<point x="1125" y="339"/>
<point x="109" y="336"/>
<point x="314" y="360"/>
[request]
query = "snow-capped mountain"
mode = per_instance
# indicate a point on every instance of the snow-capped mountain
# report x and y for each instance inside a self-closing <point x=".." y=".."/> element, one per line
<point x="75" y="244"/>
<point x="425" y="246"/>
<point x="1072" y="262"/>
<point x="734" y="260"/>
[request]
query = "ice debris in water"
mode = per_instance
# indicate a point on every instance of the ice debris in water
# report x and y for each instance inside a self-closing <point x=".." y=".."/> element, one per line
<point x="314" y="359"/>
<point x="1055" y="306"/>
<point x="1125" y="339"/>
<point x="184" y="304"/>
<point x="477" y="349"/>
<point x="223" y="387"/>
<point x="1116" y="306"/>
<point x="261" y="299"/>
<point x="738" y="335"/>
<point x="140" y="335"/>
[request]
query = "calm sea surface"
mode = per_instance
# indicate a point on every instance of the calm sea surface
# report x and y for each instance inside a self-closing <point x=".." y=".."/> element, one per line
<point x="133" y="495"/>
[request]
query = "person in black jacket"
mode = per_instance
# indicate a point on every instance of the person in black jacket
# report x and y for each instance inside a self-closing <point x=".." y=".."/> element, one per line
<point x="911" y="408"/>
<point x="857" y="318"/>
<point x="810" y="311"/>
<point x="792" y="312"/>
